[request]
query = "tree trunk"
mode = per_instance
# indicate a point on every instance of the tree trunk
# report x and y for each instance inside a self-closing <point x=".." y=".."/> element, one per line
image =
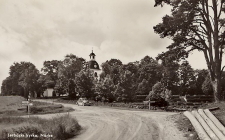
<point x="216" y="84"/>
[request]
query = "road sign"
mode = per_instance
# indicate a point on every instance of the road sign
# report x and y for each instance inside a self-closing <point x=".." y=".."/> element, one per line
<point x="25" y="102"/>
<point x="146" y="102"/>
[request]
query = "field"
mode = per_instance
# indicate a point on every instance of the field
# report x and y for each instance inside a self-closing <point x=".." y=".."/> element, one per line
<point x="13" y="121"/>
<point x="12" y="106"/>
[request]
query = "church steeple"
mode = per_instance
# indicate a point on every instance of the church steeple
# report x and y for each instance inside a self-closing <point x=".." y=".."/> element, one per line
<point x="92" y="63"/>
<point x="92" y="55"/>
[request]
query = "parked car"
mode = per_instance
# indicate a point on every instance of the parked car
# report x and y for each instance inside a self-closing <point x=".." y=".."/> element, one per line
<point x="83" y="102"/>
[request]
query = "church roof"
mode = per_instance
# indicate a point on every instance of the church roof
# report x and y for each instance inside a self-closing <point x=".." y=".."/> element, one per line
<point x="92" y="54"/>
<point x="93" y="65"/>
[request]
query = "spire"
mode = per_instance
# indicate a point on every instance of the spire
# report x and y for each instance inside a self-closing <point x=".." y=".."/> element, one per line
<point x="92" y="55"/>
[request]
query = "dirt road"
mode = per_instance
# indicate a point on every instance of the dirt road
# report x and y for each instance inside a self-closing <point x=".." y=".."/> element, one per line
<point x="114" y="124"/>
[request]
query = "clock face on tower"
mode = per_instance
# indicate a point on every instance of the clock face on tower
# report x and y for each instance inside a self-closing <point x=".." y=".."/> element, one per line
<point x="95" y="66"/>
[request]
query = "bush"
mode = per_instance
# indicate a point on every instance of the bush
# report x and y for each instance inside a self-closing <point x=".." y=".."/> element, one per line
<point x="35" y="110"/>
<point x="61" y="127"/>
<point x="159" y="94"/>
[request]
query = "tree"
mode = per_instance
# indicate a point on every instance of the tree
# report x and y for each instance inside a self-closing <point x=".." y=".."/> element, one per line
<point x="207" y="86"/>
<point x="50" y="68"/>
<point x="186" y="78"/>
<point x="28" y="78"/>
<point x="200" y="76"/>
<point x="6" y="88"/>
<point x="84" y="84"/>
<point x="125" y="87"/>
<point x="143" y="88"/>
<point x="115" y="62"/>
<point x="112" y="68"/>
<point x="159" y="94"/>
<point x="170" y="76"/>
<point x="105" y="89"/>
<point x="68" y="69"/>
<point x="197" y="25"/>
<point x="22" y="79"/>
<point x="150" y="70"/>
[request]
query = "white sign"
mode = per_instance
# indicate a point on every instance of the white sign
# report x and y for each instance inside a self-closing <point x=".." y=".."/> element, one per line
<point x="25" y="102"/>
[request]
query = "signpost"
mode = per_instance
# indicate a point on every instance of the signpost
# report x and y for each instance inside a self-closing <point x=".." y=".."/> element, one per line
<point x="149" y="103"/>
<point x="28" y="104"/>
<point x="25" y="102"/>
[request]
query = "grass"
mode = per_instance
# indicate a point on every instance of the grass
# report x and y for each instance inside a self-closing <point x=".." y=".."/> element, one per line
<point x="121" y="105"/>
<point x="10" y="102"/>
<point x="12" y="106"/>
<point x="35" y="128"/>
<point x="220" y="113"/>
<point x="186" y="127"/>
<point x="57" y="128"/>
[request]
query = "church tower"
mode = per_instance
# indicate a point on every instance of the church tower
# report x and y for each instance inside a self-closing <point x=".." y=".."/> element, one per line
<point x="93" y="65"/>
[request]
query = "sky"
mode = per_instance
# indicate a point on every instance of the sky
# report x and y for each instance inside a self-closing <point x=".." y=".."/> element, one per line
<point x="40" y="30"/>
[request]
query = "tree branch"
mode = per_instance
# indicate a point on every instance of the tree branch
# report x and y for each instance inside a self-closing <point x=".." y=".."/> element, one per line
<point x="221" y="6"/>
<point x="208" y="63"/>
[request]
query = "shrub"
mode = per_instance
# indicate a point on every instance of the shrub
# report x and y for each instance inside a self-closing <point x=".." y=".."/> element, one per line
<point x="60" y="127"/>
<point x="159" y="94"/>
<point x="35" y="110"/>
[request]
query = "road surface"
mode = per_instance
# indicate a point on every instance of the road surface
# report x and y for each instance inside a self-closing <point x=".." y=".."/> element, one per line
<point x="105" y="123"/>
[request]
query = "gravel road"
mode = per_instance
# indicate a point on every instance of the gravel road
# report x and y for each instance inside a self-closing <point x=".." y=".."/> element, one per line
<point x="103" y="123"/>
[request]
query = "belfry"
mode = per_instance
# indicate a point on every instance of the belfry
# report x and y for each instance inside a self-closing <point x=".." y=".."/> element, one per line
<point x="93" y="65"/>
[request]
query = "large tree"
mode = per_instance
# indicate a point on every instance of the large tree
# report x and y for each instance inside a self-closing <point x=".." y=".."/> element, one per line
<point x="197" y="25"/>
<point x="50" y="69"/>
<point x="68" y="69"/>
<point x="85" y="84"/>
<point x="22" y="79"/>
<point x="28" y="78"/>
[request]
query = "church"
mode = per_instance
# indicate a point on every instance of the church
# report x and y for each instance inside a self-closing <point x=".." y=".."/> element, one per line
<point x="94" y="66"/>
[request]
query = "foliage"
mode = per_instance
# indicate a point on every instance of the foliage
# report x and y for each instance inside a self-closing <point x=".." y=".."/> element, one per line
<point x="125" y="88"/>
<point x="118" y="82"/>
<point x="186" y="78"/>
<point x="112" y="68"/>
<point x="159" y="94"/>
<point x="50" y="68"/>
<point x="196" y="25"/>
<point x="105" y="89"/>
<point x="60" y="127"/>
<point x="22" y="79"/>
<point x="84" y="84"/>
<point x="207" y="86"/>
<point x="143" y="88"/>
<point x="67" y="71"/>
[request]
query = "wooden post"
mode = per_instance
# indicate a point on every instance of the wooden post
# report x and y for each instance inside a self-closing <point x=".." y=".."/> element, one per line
<point x="28" y="106"/>
<point x="28" y="113"/>
<point x="149" y="104"/>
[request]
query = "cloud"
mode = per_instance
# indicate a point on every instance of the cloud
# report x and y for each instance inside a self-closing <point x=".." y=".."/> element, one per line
<point x="42" y="30"/>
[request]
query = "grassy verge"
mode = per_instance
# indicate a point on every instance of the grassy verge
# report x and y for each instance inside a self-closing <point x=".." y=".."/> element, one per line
<point x="186" y="127"/>
<point x="35" y="128"/>
<point x="120" y="105"/>
<point x="12" y="106"/>
<point x="220" y="113"/>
